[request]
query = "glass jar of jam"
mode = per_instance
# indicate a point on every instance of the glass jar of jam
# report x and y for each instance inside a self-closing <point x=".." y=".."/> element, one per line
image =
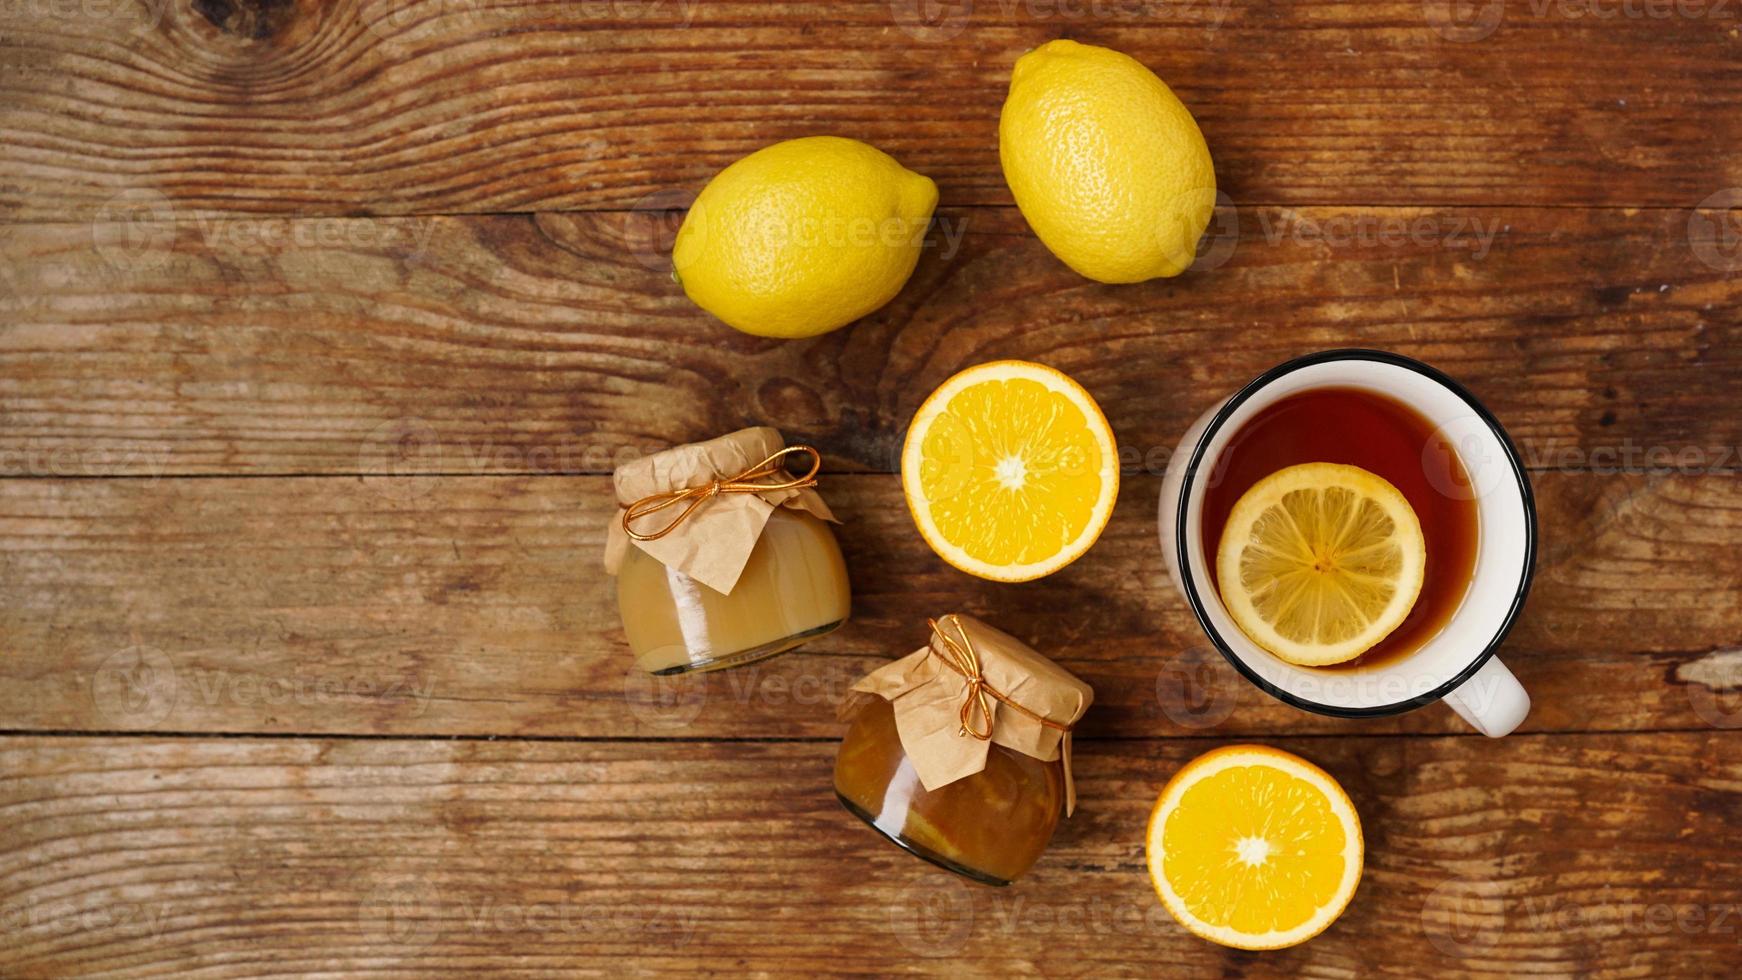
<point x="722" y="556"/>
<point x="941" y="761"/>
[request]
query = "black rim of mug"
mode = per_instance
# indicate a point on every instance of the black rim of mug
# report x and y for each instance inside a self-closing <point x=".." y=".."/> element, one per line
<point x="1481" y="411"/>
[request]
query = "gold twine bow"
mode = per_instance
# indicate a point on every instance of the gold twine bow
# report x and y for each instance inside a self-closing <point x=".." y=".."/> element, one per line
<point x="965" y="660"/>
<point x="696" y="496"/>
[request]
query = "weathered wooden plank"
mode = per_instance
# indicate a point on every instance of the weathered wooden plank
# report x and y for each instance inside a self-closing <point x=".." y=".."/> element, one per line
<point x="444" y="106"/>
<point x="477" y="606"/>
<point x="558" y="344"/>
<point x="231" y="858"/>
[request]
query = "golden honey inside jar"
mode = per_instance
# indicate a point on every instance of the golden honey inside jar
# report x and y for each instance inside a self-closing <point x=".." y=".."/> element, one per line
<point x="942" y="763"/>
<point x="991" y="826"/>
<point x="722" y="556"/>
<point x="793" y="588"/>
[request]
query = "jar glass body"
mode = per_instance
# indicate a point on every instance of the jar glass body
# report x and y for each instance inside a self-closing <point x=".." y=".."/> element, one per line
<point x="990" y="826"/>
<point x="793" y="588"/>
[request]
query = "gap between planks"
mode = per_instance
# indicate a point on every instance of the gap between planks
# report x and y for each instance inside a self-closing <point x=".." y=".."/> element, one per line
<point x="1726" y="469"/>
<point x="1718" y="470"/>
<point x="73" y="733"/>
<point x="239" y="216"/>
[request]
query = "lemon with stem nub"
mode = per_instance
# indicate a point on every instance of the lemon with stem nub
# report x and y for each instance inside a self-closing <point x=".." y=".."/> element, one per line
<point x="803" y="237"/>
<point x="1105" y="162"/>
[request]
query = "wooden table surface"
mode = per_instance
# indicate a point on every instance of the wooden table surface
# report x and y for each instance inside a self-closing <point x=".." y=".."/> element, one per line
<point x="323" y="323"/>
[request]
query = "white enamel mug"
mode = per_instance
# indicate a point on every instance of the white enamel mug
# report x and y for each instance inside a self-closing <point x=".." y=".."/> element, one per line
<point x="1458" y="663"/>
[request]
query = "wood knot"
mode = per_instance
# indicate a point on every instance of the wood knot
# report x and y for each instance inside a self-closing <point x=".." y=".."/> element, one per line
<point x="789" y="402"/>
<point x="253" y="20"/>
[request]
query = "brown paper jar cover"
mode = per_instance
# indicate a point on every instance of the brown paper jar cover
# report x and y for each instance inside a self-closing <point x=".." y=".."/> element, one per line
<point x="713" y="544"/>
<point x="928" y="695"/>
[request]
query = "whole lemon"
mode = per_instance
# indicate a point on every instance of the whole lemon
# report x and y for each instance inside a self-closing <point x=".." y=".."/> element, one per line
<point x="803" y="237"/>
<point x="1105" y="162"/>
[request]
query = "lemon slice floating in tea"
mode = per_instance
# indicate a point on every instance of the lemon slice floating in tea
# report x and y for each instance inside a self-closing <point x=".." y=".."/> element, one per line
<point x="1254" y="848"/>
<point x="1010" y="471"/>
<point x="1319" y="562"/>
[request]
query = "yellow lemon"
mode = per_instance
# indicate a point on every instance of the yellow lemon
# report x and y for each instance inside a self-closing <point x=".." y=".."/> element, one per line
<point x="1010" y="471"/>
<point x="1319" y="562"/>
<point x="1105" y="162"/>
<point x="1254" y="848"/>
<point x="803" y="237"/>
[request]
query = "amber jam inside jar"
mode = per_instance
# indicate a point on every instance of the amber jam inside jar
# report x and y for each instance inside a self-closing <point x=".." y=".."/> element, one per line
<point x="990" y="826"/>
<point x="793" y="589"/>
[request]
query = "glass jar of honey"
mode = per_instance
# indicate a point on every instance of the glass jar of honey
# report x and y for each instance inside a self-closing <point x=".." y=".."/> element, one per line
<point x="941" y="760"/>
<point x="722" y="556"/>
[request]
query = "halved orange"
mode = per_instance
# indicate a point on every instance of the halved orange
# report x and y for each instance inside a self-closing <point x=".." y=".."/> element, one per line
<point x="1254" y="848"/>
<point x="1010" y="470"/>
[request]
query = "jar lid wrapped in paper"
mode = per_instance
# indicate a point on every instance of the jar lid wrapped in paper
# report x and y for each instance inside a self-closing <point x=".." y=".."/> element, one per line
<point x="973" y="686"/>
<point x="700" y="508"/>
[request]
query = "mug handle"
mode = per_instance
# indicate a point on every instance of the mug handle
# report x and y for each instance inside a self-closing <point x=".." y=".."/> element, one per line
<point x="1492" y="700"/>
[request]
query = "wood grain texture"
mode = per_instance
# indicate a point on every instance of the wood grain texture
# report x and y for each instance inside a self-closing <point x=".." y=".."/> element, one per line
<point x="321" y="319"/>
<point x="447" y="106"/>
<point x="558" y="344"/>
<point x="477" y="606"/>
<point x="239" y="858"/>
